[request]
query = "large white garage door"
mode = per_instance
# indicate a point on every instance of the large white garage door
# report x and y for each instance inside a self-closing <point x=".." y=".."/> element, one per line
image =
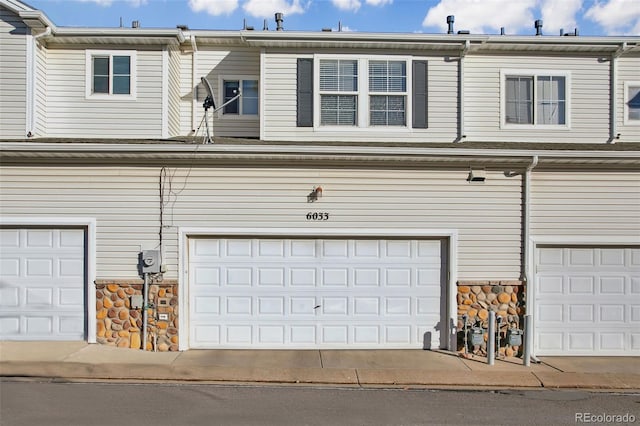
<point x="304" y="293"/>
<point x="587" y="301"/>
<point x="42" y="284"/>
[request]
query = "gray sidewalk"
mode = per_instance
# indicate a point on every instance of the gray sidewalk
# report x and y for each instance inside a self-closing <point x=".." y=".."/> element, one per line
<point x="436" y="369"/>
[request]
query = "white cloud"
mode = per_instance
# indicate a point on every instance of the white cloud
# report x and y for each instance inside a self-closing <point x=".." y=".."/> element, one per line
<point x="348" y="5"/>
<point x="616" y="17"/>
<point x="267" y="8"/>
<point x="559" y="14"/>
<point x="378" y="2"/>
<point x="482" y="16"/>
<point x="214" y="7"/>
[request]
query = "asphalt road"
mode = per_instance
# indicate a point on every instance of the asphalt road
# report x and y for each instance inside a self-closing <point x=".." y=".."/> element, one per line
<point x="57" y="404"/>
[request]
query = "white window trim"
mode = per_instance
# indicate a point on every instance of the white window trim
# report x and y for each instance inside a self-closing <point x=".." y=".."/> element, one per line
<point x="534" y="73"/>
<point x="627" y="121"/>
<point x="362" y="93"/>
<point x="89" y="54"/>
<point x="220" y="98"/>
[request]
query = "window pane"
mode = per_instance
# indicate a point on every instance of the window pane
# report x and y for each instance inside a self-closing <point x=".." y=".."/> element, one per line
<point x="100" y="74"/>
<point x="100" y="84"/>
<point x="230" y="88"/>
<point x="250" y="97"/>
<point x="121" y="65"/>
<point x="518" y="100"/>
<point x="338" y="110"/>
<point x="121" y="85"/>
<point x="551" y="100"/>
<point x="387" y="76"/>
<point x="387" y="110"/>
<point x="634" y="103"/>
<point x="338" y="76"/>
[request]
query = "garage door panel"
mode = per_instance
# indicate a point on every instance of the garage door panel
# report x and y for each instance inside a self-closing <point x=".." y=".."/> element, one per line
<point x="314" y="293"/>
<point x="42" y="291"/>
<point x="586" y="301"/>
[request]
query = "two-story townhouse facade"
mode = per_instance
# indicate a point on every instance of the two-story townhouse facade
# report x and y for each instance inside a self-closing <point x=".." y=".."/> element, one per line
<point x="364" y="191"/>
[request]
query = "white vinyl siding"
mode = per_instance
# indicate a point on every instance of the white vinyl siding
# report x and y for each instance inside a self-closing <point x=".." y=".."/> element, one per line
<point x="125" y="203"/>
<point x="588" y="99"/>
<point x="216" y="65"/>
<point x="71" y="114"/>
<point x="13" y="76"/>
<point x="279" y="113"/>
<point x="585" y="204"/>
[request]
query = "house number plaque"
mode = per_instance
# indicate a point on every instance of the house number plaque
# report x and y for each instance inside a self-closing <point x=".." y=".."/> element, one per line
<point x="317" y="216"/>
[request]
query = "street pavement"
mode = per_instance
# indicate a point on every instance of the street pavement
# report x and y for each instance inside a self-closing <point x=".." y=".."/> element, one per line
<point x="362" y="368"/>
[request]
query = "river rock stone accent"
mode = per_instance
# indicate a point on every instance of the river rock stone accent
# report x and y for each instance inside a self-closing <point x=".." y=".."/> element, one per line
<point x="477" y="298"/>
<point x="117" y="324"/>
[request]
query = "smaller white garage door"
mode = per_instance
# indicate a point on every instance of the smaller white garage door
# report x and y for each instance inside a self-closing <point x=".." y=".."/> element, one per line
<point x="42" y="284"/>
<point x="306" y="293"/>
<point x="587" y="301"/>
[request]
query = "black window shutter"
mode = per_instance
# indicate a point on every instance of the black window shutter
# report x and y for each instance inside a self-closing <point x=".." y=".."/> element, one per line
<point x="419" y="94"/>
<point x="304" y="109"/>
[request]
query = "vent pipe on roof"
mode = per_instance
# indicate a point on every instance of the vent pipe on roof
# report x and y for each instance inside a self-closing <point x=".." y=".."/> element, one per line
<point x="279" y="21"/>
<point x="538" y="25"/>
<point x="450" y="20"/>
<point x="501" y="30"/>
<point x="265" y="26"/>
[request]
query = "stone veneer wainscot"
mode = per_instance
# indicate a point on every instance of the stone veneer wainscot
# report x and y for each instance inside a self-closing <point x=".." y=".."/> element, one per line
<point x="117" y="324"/>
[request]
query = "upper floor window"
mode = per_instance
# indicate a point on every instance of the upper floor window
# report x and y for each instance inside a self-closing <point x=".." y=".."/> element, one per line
<point x="388" y="90"/>
<point x="338" y="92"/>
<point x="632" y="103"/>
<point x="361" y="92"/>
<point x="110" y="74"/>
<point x="247" y="104"/>
<point x="535" y="99"/>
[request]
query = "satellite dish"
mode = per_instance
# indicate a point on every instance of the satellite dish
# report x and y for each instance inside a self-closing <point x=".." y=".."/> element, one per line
<point x="210" y="100"/>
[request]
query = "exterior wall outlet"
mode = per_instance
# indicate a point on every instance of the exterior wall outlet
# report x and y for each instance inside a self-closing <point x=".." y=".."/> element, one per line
<point x="163" y="317"/>
<point x="136" y="301"/>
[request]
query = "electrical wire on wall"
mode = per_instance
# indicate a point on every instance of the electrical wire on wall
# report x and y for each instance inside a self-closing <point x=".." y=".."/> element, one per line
<point x="169" y="196"/>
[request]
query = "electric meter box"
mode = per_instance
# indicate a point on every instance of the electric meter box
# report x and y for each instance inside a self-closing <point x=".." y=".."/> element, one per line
<point x="149" y="261"/>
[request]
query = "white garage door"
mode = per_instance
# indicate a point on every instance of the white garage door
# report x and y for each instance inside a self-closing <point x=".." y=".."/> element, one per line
<point x="587" y="301"/>
<point x="42" y="284"/>
<point x="302" y="293"/>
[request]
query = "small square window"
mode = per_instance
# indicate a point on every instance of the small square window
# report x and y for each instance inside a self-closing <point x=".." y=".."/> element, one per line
<point x="110" y="74"/>
<point x="247" y="104"/>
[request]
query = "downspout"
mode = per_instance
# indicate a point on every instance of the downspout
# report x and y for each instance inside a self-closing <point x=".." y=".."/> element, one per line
<point x="463" y="53"/>
<point x="613" y="136"/>
<point x="524" y="275"/>
<point x="194" y="81"/>
<point x="32" y="81"/>
<point x="526" y="218"/>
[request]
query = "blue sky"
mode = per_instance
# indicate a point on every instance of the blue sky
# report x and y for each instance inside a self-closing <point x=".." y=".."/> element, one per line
<point x="591" y="17"/>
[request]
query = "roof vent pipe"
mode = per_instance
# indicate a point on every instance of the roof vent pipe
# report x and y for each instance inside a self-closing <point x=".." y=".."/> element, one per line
<point x="538" y="25"/>
<point x="279" y="21"/>
<point x="450" y="20"/>
<point x="501" y="30"/>
<point x="265" y="26"/>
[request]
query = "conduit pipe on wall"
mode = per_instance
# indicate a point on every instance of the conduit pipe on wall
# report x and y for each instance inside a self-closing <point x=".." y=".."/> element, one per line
<point x="526" y="219"/>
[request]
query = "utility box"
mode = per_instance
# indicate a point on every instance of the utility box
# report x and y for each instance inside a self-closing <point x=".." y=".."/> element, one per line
<point x="149" y="261"/>
<point x="514" y="337"/>
<point x="136" y="301"/>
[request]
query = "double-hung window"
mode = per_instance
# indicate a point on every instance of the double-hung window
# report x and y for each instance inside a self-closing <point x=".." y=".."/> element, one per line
<point x="535" y="99"/>
<point x="247" y="103"/>
<point x="632" y="103"/>
<point x="110" y="74"/>
<point x="387" y="93"/>
<point x="339" y="87"/>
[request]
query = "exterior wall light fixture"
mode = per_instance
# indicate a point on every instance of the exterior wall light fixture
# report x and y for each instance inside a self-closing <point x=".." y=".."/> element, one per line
<point x="315" y="194"/>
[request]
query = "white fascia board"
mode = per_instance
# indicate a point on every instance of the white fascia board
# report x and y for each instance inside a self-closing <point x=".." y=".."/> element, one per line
<point x="292" y="149"/>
